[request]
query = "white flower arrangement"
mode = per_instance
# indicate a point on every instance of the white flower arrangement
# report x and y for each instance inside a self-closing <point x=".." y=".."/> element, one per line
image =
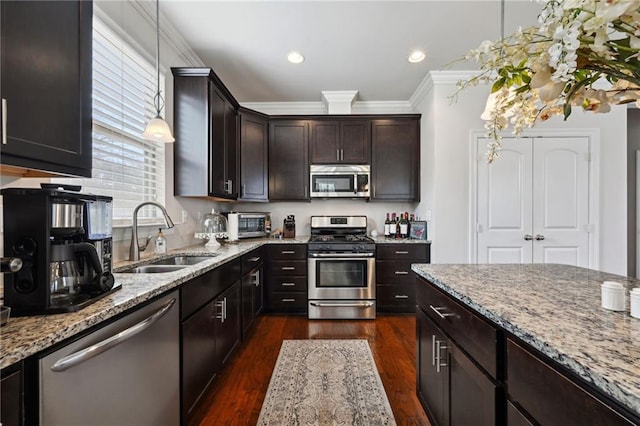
<point x="543" y="71"/>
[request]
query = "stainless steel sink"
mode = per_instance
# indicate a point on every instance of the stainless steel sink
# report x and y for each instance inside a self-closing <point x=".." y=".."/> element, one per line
<point x="153" y="269"/>
<point x="182" y="260"/>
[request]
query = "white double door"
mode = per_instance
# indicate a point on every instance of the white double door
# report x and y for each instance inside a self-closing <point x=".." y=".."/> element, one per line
<point x="533" y="202"/>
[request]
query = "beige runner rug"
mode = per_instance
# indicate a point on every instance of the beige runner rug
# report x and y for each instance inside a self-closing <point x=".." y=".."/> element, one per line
<point x="325" y="382"/>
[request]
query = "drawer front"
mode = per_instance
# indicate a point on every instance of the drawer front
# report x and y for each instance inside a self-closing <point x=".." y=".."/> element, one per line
<point x="287" y="302"/>
<point x="287" y="284"/>
<point x="396" y="298"/>
<point x="288" y="251"/>
<point x="402" y="251"/>
<point x="289" y="268"/>
<point x="471" y="332"/>
<point x="394" y="272"/>
<point x="252" y="260"/>
<point x="536" y="387"/>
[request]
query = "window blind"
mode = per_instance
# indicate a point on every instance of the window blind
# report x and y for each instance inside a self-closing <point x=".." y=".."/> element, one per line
<point x="125" y="166"/>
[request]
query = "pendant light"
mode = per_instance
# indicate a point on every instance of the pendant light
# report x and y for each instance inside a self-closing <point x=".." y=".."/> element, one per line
<point x="157" y="129"/>
<point x="491" y="104"/>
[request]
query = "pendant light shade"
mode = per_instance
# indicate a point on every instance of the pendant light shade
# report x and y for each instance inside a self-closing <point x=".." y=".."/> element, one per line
<point x="157" y="129"/>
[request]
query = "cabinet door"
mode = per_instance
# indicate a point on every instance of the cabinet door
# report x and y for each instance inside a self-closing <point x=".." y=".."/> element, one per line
<point x="230" y="151"/>
<point x="254" y="158"/>
<point x="472" y="395"/>
<point x="217" y="177"/>
<point x="288" y="160"/>
<point x="11" y="396"/>
<point x="46" y="80"/>
<point x="228" y="327"/>
<point x="258" y="291"/>
<point x="355" y="137"/>
<point x="324" y="146"/>
<point x="395" y="163"/>
<point x="199" y="362"/>
<point x="432" y="383"/>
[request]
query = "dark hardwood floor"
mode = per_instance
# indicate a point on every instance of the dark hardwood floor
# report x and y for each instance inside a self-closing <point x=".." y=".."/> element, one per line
<point x="237" y="395"/>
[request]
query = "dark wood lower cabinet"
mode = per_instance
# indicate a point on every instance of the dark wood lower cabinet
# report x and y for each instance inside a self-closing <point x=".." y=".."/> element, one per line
<point x="453" y="390"/>
<point x="11" y="397"/>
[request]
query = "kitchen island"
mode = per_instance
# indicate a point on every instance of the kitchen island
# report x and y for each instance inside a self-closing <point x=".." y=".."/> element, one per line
<point x="547" y="315"/>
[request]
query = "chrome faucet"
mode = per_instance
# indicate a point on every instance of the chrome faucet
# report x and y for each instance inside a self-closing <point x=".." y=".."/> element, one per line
<point x="136" y="247"/>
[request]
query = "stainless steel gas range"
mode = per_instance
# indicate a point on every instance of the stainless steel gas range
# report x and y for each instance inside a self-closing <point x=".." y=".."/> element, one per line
<point x="342" y="282"/>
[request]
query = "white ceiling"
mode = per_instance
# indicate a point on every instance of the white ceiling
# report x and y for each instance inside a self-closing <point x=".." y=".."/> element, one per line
<point x="348" y="45"/>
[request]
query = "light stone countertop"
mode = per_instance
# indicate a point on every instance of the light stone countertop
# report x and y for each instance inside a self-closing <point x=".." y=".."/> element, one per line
<point x="557" y="310"/>
<point x="26" y="336"/>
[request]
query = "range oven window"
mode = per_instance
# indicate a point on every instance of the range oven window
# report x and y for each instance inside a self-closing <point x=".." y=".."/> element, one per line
<point x="341" y="273"/>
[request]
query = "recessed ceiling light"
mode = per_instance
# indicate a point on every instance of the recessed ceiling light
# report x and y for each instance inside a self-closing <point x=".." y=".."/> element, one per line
<point x="416" y="56"/>
<point x="295" y="57"/>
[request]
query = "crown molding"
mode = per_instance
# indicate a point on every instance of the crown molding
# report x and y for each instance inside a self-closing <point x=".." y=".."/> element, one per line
<point x="452" y="76"/>
<point x="287" y="108"/>
<point x="382" y="107"/>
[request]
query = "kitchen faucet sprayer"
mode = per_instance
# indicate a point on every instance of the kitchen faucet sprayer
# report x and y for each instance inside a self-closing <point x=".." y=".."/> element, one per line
<point x="136" y="247"/>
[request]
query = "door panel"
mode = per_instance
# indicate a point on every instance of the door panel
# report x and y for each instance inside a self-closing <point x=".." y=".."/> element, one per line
<point x="504" y="203"/>
<point x="561" y="197"/>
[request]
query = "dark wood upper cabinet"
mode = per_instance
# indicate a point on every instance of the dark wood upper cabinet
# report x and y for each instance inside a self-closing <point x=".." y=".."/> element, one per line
<point x="288" y="159"/>
<point x="340" y="141"/>
<point x="206" y="131"/>
<point x="254" y="158"/>
<point x="395" y="159"/>
<point x="46" y="81"/>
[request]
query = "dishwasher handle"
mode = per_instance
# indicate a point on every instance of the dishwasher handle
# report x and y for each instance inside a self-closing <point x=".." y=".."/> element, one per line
<point x="79" y="357"/>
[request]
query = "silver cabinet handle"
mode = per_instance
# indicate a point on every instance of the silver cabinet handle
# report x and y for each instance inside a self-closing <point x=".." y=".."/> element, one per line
<point x="337" y="155"/>
<point x="85" y="354"/>
<point x="288" y="300"/>
<point x="288" y="268"/>
<point x="439" y="347"/>
<point x="254" y="259"/>
<point x="528" y="237"/>
<point x="244" y="189"/>
<point x="256" y="277"/>
<point x="341" y="255"/>
<point x="228" y="186"/>
<point x="288" y="284"/>
<point x="433" y="349"/>
<point x="224" y="309"/>
<point x="440" y="314"/>
<point x="401" y="296"/>
<point x="539" y="237"/>
<point x="288" y="252"/>
<point x="402" y="273"/>
<point x="342" y="155"/>
<point x="4" y="121"/>
<point x="402" y="252"/>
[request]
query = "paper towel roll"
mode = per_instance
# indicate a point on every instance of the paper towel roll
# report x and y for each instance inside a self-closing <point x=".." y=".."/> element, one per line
<point x="233" y="226"/>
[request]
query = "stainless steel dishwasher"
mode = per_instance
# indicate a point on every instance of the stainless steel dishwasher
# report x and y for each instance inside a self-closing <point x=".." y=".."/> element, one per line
<point x="126" y="373"/>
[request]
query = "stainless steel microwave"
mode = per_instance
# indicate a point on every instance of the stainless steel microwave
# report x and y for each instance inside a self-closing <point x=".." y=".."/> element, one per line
<point x="346" y="181"/>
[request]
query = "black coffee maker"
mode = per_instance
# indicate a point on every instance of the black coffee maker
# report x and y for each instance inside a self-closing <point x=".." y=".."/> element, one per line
<point x="64" y="240"/>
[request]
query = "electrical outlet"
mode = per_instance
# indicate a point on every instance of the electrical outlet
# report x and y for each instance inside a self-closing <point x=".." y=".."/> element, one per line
<point x="185" y="216"/>
<point x="428" y="215"/>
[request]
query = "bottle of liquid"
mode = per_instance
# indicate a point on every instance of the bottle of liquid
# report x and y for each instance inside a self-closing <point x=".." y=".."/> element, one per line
<point x="161" y="243"/>
<point x="397" y="233"/>
<point x="404" y="226"/>
<point x="387" y="226"/>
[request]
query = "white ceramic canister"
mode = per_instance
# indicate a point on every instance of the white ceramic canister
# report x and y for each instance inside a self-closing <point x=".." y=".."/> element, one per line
<point x="635" y="302"/>
<point x="613" y="294"/>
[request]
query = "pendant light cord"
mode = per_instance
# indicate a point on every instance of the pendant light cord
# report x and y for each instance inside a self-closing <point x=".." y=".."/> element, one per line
<point x="157" y="99"/>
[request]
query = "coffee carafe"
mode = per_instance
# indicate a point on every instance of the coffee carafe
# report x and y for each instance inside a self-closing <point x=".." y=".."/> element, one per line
<point x="63" y="238"/>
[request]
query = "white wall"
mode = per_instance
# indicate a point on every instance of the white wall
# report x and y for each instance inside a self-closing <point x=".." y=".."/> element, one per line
<point x="450" y="125"/>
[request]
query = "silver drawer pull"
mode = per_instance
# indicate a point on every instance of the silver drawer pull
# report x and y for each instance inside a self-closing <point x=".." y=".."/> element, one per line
<point x="288" y="252"/>
<point x="401" y="296"/>
<point x="254" y="259"/>
<point x="4" y="121"/>
<point x="402" y="252"/>
<point x="288" y="268"/>
<point x="402" y="273"/>
<point x="103" y="346"/>
<point x="288" y="284"/>
<point x="440" y="314"/>
<point x="288" y="300"/>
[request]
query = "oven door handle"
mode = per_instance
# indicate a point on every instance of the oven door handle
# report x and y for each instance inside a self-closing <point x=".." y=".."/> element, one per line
<point x="342" y="304"/>
<point x="341" y="255"/>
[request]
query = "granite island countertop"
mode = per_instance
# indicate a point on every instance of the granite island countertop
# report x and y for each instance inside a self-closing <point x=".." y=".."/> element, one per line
<point x="557" y="310"/>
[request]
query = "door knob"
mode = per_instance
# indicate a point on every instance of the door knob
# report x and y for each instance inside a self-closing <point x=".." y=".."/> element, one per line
<point x="528" y="237"/>
<point x="539" y="237"/>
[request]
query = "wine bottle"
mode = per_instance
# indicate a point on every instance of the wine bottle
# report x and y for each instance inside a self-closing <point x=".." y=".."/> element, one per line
<point x="397" y="234"/>
<point x="387" y="226"/>
<point x="404" y="226"/>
